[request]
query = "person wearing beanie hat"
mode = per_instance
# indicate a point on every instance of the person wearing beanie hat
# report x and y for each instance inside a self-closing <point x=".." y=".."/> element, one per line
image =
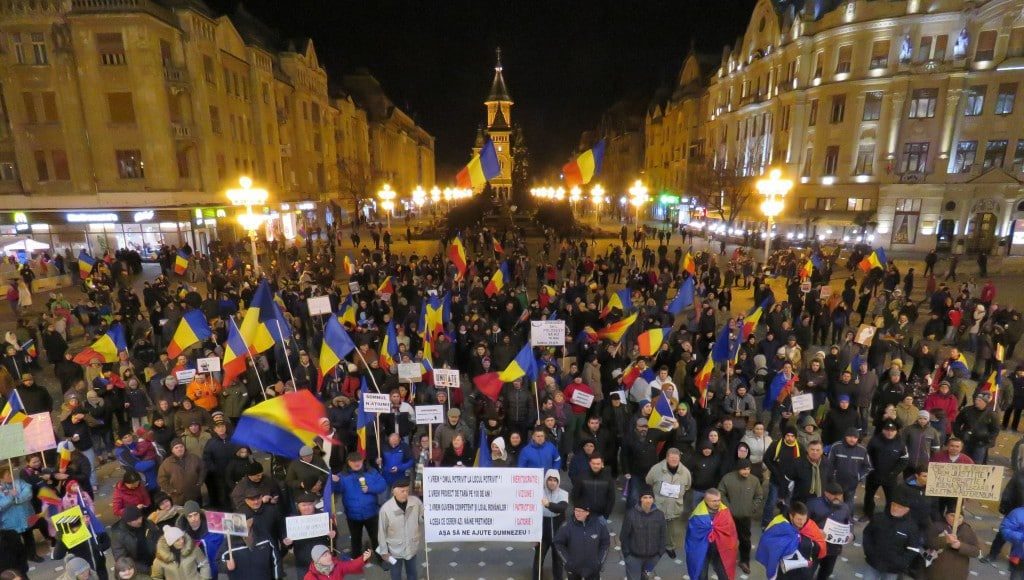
<point x="978" y="426"/>
<point x="781" y="459"/>
<point x="921" y="439"/>
<point x="310" y="466"/>
<point x="582" y="543"/>
<point x="745" y="496"/>
<point x="256" y="483"/>
<point x="889" y="457"/>
<point x="840" y="419"/>
<point x="400" y="531"/>
<point x="830" y="506"/>
<point x="326" y="566"/>
<point x="644" y="535"/>
<point x="892" y="540"/>
<point x="178" y="557"/>
<point x="78" y="569"/>
<point x="134" y="537"/>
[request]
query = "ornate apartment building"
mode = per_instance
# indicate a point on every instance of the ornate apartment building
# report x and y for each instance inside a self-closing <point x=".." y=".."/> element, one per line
<point x="124" y="121"/>
<point x="898" y="120"/>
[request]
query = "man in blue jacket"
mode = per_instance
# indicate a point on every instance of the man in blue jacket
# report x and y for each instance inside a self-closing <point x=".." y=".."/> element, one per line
<point x="396" y="460"/>
<point x="540" y="453"/>
<point x="360" y="486"/>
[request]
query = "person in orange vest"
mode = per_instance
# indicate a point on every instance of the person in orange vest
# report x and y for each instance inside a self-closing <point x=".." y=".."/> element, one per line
<point x="204" y="392"/>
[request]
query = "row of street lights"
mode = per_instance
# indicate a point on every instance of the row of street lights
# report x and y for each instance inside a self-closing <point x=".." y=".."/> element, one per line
<point x="419" y="197"/>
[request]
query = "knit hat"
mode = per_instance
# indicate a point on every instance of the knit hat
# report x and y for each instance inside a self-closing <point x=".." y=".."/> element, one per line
<point x="922" y="414"/>
<point x="76" y="566"/>
<point x="175" y="442"/>
<point x="852" y="432"/>
<point x="255" y="468"/>
<point x="191" y="507"/>
<point x="318" y="552"/>
<point x="131" y="513"/>
<point x="646" y="490"/>
<point x="844" y="398"/>
<point x="305" y="450"/>
<point x="172" y="535"/>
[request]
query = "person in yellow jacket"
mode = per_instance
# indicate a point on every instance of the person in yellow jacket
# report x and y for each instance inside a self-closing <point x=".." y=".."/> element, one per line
<point x="204" y="392"/>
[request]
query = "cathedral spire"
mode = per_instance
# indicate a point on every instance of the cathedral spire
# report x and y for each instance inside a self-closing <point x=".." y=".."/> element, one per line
<point x="499" y="92"/>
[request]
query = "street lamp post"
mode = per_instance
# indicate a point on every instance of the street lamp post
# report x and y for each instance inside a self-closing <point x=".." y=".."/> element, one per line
<point x="638" y="197"/>
<point x="774" y="190"/>
<point x="387" y="201"/>
<point x="248" y="196"/>
<point x="575" y="194"/>
<point x="597" y="197"/>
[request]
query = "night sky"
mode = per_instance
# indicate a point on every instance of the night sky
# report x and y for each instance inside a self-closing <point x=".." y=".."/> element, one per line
<point x="565" y="61"/>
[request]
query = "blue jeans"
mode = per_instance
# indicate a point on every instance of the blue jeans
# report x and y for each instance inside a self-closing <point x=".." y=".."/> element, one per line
<point x="637" y="568"/>
<point x="769" y="505"/>
<point x="411" y="566"/>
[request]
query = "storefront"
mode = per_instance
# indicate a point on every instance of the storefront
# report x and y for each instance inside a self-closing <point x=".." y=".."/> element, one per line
<point x="673" y="209"/>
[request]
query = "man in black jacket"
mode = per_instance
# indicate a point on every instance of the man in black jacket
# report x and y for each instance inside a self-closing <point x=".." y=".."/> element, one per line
<point x="595" y="488"/>
<point x="135" y="537"/>
<point x="812" y="474"/>
<point x="849" y="464"/>
<point x="639" y="454"/>
<point x="891" y="538"/>
<point x="889" y="457"/>
<point x="978" y="427"/>
<point x="582" y="543"/>
<point x="644" y="536"/>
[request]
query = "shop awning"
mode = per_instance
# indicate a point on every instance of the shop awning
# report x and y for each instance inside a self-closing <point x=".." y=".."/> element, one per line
<point x="25" y="244"/>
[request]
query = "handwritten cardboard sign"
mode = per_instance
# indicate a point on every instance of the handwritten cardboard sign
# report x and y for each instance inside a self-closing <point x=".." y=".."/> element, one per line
<point x="185" y="377"/>
<point x="318" y="305"/>
<point x="982" y="482"/>
<point x="547" y="333"/>
<point x="311" y="526"/>
<point x="39" y="434"/>
<point x="448" y="378"/>
<point x="582" y="399"/>
<point x="376" y="403"/>
<point x="12" y="441"/>
<point x="803" y="402"/>
<point x="410" y="372"/>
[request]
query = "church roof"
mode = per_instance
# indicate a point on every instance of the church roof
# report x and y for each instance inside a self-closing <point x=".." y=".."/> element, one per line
<point x="499" y="92"/>
<point x="500" y="122"/>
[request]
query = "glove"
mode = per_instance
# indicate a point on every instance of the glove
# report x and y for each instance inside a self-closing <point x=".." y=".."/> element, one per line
<point x="671" y="554"/>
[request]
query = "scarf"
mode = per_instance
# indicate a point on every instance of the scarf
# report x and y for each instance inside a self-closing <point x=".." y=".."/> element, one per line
<point x="325" y="570"/>
<point x="795" y="445"/>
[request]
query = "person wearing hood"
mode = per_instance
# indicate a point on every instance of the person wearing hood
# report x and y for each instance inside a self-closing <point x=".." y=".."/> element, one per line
<point x="583" y="543"/>
<point x="744" y="493"/>
<point x="644" y="536"/>
<point x="554" y="505"/>
<point x="135" y="537"/>
<point x="809" y="431"/>
<point x="594" y="488"/>
<point x="192" y="521"/>
<point x="706" y="470"/>
<point x="499" y="456"/>
<point x="685" y="433"/>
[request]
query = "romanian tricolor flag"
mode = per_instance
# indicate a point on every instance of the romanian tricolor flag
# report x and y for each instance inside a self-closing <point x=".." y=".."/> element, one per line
<point x="180" y="263"/>
<point x="623" y="300"/>
<point x="264" y="325"/>
<point x="689" y="265"/>
<point x="498" y="280"/>
<point x="85" y="264"/>
<point x="481" y="168"/>
<point x="661" y="415"/>
<point x="235" y="352"/>
<point x="483" y="449"/>
<point x="457" y="254"/>
<point x="498" y="249"/>
<point x="389" y="347"/>
<point x="780" y="389"/>
<point x="702" y="380"/>
<point x="364" y="422"/>
<point x="282" y="425"/>
<point x="649" y="342"/>
<point x="64" y="449"/>
<point x="348" y="265"/>
<point x="615" y="330"/>
<point x="683" y="299"/>
<point x="875" y="259"/>
<point x="347" y="311"/>
<point x="192" y="329"/>
<point x="807" y="269"/>
<point x="433" y="318"/>
<point x="750" y="323"/>
<point x="30" y="349"/>
<point x="386" y="288"/>
<point x="336" y="346"/>
<point x="14" y="411"/>
<point x="105" y="348"/>
<point x="779" y="540"/>
<point x="523" y="365"/>
<point x="588" y="336"/>
<point x="704" y="529"/>
<point x="990" y="386"/>
<point x="581" y="170"/>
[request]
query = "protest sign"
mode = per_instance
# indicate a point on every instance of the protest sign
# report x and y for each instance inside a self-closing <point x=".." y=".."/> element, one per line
<point x="803" y="402"/>
<point x="448" y="378"/>
<point x="39" y="434"/>
<point x="227" y="523"/>
<point x="865" y="334"/>
<point x="303" y="527"/>
<point x="547" y="333"/>
<point x="837" y="533"/>
<point x="429" y="414"/>
<point x="318" y="305"/>
<point x="982" y="482"/>
<point x="376" y="403"/>
<point x="208" y="365"/>
<point x="410" y="372"/>
<point x="71" y="526"/>
<point x="582" y="399"/>
<point x="185" y="377"/>
<point x="484" y="504"/>
<point x="12" y="441"/>
<point x="825" y="292"/>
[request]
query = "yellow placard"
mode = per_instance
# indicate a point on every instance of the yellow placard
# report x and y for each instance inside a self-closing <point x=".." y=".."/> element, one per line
<point x="71" y="526"/>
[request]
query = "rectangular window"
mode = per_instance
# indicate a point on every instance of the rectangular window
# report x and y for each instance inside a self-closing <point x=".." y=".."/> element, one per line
<point x="843" y="63"/>
<point x="129" y="163"/>
<point x="39" y="48"/>
<point x="940" y="47"/>
<point x="19" y="47"/>
<point x="122" y="109"/>
<point x="880" y="54"/>
<point x="860" y="204"/>
<point x="208" y="71"/>
<point x="215" y="119"/>
<point x="266" y="94"/>
<point x="915" y="157"/>
<point x="785" y="117"/>
<point x="865" y="160"/>
<point x="29" y="101"/>
<point x="831" y="159"/>
<point x="183" y="169"/>
<point x="905" y="221"/>
<point x="818" y="58"/>
<point x="1018" y="156"/>
<point x="808" y="159"/>
<point x="1004" y="101"/>
<point x="110" y="46"/>
<point x="42" y="172"/>
<point x="966" y="153"/>
<point x="50" y="114"/>
<point x="922" y="103"/>
<point x="814" y="113"/>
<point x="824" y="203"/>
<point x="838" y="109"/>
<point x="61" y="172"/>
<point x="1016" y="47"/>
<point x="222" y="167"/>
<point x="975" y="101"/>
<point x="995" y="154"/>
<point x="924" y="50"/>
<point x="872" y="106"/>
<point x="227" y="81"/>
<point x="986" y="46"/>
<point x="8" y="167"/>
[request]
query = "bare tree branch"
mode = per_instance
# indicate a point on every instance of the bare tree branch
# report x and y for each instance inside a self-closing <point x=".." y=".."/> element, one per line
<point x="723" y="191"/>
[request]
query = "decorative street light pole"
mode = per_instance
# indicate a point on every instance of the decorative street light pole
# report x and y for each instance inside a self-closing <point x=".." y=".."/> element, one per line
<point x="597" y="197"/>
<point x="387" y="201"/>
<point x="248" y="196"/>
<point x="774" y="190"/>
<point x="638" y="197"/>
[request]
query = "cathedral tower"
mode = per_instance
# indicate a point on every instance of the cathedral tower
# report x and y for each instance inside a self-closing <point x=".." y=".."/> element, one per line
<point x="499" y="130"/>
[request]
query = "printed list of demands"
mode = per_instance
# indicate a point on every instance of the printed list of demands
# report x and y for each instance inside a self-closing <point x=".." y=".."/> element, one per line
<point x="483" y="504"/>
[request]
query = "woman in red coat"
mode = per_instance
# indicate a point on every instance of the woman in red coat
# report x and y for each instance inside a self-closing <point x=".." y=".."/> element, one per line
<point x="325" y="566"/>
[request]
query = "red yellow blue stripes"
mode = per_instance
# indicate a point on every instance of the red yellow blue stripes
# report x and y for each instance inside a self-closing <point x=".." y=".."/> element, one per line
<point x="180" y="263"/>
<point x="282" y="425"/>
<point x="614" y="331"/>
<point x="85" y="264"/>
<point x="523" y="365"/>
<point x="192" y="329"/>
<point x="497" y="281"/>
<point x="582" y="170"/>
<point x="649" y="342"/>
<point x="482" y="168"/>
<point x="105" y="348"/>
<point x="457" y="254"/>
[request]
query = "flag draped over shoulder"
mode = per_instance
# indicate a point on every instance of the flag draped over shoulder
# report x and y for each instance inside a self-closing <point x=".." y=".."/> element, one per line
<point x="282" y="425"/>
<point x="105" y="348"/>
<point x="704" y="528"/>
<point x="779" y="540"/>
<point x="192" y="329"/>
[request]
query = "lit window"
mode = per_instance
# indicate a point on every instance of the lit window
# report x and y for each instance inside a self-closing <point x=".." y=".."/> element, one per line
<point x="922" y="103"/>
<point x="129" y="164"/>
<point x="966" y="152"/>
<point x="975" y="101"/>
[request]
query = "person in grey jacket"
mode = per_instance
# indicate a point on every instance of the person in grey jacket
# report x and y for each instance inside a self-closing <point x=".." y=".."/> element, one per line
<point x="644" y="537"/>
<point x="555" y="503"/>
<point x="744" y="494"/>
<point x="400" y="531"/>
<point x="669" y="481"/>
<point x="849" y="464"/>
<point x="582" y="544"/>
<point x="741" y="406"/>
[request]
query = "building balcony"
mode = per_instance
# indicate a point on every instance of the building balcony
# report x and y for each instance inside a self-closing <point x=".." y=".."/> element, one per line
<point x="182" y="132"/>
<point x="176" y="77"/>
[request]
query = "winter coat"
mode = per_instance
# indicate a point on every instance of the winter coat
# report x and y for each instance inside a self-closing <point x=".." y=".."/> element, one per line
<point x="951" y="564"/>
<point x="340" y="570"/>
<point x="125" y="541"/>
<point x="400" y="532"/>
<point x="805" y="478"/>
<point x="544" y="456"/>
<point x="820" y="510"/>
<point x="744" y="495"/>
<point x="182" y="478"/>
<point x="192" y="564"/>
<point x="889" y="458"/>
<point x="848" y="466"/>
<point x="397" y="462"/>
<point x="886" y="542"/>
<point x="124" y="497"/>
<point x="921" y="443"/>
<point x="672" y="507"/>
<point x="261" y="561"/>
<point x="15" y="510"/>
<point x="1012" y="529"/>
<point x="976" y="426"/>
<point x="596" y="490"/>
<point x="583" y="546"/>
<point x="359" y="505"/>
<point x="207" y="541"/>
<point x="644" y="534"/>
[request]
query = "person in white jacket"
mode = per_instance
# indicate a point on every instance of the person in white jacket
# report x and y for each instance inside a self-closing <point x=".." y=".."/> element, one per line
<point x="400" y="531"/>
<point x="556" y="503"/>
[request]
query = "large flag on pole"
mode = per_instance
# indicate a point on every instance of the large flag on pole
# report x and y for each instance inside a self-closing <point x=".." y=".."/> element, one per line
<point x="582" y="170"/>
<point x="105" y="348"/>
<point x="336" y="346"/>
<point x="192" y="329"/>
<point x="523" y="365"/>
<point x="481" y="168"/>
<point x="282" y="425"/>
